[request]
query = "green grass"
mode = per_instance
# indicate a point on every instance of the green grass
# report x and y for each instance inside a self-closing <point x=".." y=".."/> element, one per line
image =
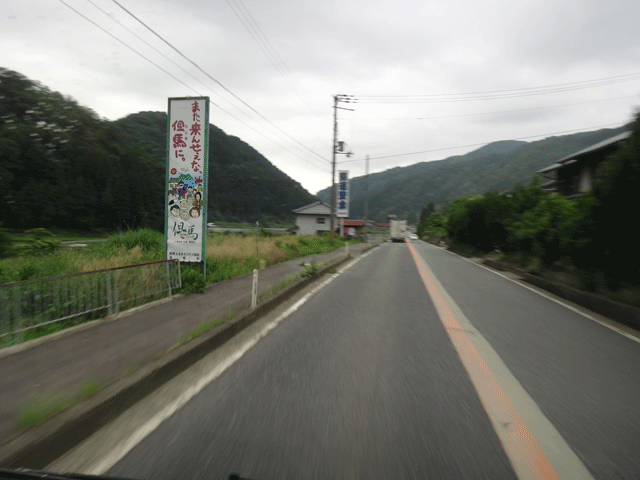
<point x="205" y="327"/>
<point x="37" y="411"/>
<point x="88" y="389"/>
<point x="278" y="287"/>
<point x="43" y="331"/>
<point x="310" y="270"/>
<point x="228" y="256"/>
<point x="130" y="368"/>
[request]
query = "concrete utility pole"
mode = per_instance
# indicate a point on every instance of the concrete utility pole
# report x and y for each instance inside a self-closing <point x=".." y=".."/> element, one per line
<point x="337" y="147"/>
<point x="334" y="145"/>
<point x="366" y="191"/>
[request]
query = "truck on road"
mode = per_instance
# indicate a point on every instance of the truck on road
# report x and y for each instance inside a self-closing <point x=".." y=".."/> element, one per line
<point x="398" y="230"/>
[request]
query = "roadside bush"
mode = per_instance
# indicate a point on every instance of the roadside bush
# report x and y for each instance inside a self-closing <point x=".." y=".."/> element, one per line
<point x="310" y="269"/>
<point x="545" y="231"/>
<point x="5" y="274"/>
<point x="26" y="271"/>
<point x="192" y="280"/>
<point x="40" y="242"/>
<point x="148" y="240"/>
<point x="263" y="232"/>
<point x="5" y="243"/>
<point x="275" y="256"/>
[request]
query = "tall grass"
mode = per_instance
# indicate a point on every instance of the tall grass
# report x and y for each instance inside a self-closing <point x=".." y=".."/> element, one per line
<point x="233" y="255"/>
<point x="228" y="255"/>
<point x="119" y="250"/>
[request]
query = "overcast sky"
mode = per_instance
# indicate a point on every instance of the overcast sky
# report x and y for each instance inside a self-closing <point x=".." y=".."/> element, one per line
<point x="416" y="68"/>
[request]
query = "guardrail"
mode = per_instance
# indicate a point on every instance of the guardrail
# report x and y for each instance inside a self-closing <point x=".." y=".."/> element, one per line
<point x="35" y="303"/>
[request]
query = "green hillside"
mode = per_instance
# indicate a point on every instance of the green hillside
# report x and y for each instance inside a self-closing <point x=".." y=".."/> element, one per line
<point x="243" y="184"/>
<point x="62" y="166"/>
<point x="498" y="166"/>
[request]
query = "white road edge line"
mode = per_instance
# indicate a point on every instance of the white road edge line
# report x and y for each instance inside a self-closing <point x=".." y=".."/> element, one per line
<point x="573" y="309"/>
<point x="109" y="459"/>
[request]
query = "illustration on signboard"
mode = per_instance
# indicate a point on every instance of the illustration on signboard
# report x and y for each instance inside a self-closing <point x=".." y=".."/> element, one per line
<point x="186" y="179"/>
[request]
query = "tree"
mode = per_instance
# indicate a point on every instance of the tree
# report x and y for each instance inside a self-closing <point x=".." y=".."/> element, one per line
<point x="545" y="230"/>
<point x="608" y="228"/>
<point x="424" y="217"/>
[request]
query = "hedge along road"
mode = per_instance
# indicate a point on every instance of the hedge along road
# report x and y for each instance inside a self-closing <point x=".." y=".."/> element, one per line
<point x="398" y="369"/>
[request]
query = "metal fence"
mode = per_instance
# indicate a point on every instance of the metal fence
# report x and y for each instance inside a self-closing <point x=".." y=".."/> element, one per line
<point x="36" y="303"/>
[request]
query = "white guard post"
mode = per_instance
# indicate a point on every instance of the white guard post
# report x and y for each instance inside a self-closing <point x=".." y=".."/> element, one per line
<point x="254" y="289"/>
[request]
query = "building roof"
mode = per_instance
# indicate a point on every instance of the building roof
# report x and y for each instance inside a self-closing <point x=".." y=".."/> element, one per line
<point x="315" y="208"/>
<point x="569" y="159"/>
<point x="597" y="146"/>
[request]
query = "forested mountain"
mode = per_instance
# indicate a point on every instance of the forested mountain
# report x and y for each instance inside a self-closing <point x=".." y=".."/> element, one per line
<point x="62" y="166"/>
<point x="498" y="166"/>
<point x="243" y="184"/>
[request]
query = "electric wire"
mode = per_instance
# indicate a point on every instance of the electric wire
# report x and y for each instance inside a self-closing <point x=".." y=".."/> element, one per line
<point x="496" y="94"/>
<point x="482" y="143"/>
<point x="130" y="48"/>
<point x="253" y="28"/>
<point x="217" y="81"/>
<point x="187" y="86"/>
<point x="497" y="112"/>
<point x="165" y="57"/>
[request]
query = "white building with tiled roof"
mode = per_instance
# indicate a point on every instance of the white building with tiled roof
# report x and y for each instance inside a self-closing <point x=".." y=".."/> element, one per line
<point x="314" y="219"/>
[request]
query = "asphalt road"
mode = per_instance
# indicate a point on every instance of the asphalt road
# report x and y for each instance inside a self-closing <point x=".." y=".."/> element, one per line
<point x="365" y="380"/>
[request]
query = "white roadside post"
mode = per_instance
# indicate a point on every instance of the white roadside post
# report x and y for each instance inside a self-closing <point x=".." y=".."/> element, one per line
<point x="254" y="289"/>
<point x="254" y="286"/>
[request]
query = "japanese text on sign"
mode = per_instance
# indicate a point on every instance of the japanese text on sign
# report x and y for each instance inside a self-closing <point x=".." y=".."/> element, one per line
<point x="343" y="194"/>
<point x="187" y="178"/>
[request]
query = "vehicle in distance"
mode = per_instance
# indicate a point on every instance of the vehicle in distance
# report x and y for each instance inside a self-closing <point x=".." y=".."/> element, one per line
<point x="398" y="230"/>
<point x="413" y="236"/>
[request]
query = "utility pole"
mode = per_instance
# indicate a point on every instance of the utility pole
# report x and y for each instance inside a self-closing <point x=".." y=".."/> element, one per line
<point x="366" y="191"/>
<point x="333" y="163"/>
<point x="337" y="147"/>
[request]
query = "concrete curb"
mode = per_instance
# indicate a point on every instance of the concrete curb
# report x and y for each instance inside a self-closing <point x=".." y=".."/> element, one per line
<point x="624" y="314"/>
<point x="42" y="445"/>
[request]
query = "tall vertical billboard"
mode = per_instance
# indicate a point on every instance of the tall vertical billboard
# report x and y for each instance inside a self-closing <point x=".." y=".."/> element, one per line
<point x="342" y="202"/>
<point x="187" y="179"/>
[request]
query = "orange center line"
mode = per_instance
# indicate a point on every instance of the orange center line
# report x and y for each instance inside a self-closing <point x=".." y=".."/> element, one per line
<point x="526" y="456"/>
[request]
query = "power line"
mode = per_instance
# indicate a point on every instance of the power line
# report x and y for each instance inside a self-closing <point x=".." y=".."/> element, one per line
<point x="253" y="28"/>
<point x="130" y="48"/>
<point x="217" y="81"/>
<point x="163" y="55"/>
<point x="509" y="90"/>
<point x="496" y="94"/>
<point x="190" y="88"/>
<point x="500" y="111"/>
<point x="483" y="143"/>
